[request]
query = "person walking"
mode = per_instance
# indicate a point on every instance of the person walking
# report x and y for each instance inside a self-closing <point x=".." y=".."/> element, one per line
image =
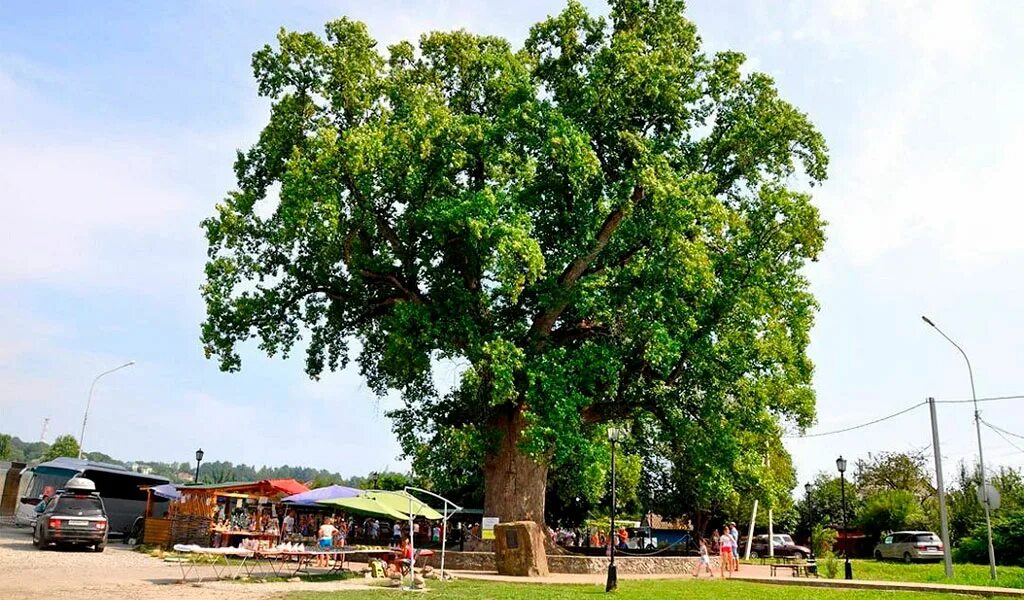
<point x="736" y="546"/>
<point x="705" y="561"/>
<point x="725" y="559"/>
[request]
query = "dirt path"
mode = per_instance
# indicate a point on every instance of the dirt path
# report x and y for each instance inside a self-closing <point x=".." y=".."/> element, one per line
<point x="30" y="574"/>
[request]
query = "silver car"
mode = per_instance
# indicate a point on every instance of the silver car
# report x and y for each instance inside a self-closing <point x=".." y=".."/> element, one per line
<point x="910" y="546"/>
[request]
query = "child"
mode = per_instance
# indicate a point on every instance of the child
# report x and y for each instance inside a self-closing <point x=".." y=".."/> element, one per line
<point x="725" y="560"/>
<point x="705" y="561"/>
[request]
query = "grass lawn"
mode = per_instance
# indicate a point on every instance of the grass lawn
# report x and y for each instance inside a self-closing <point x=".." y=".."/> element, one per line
<point x="934" y="573"/>
<point x="628" y="590"/>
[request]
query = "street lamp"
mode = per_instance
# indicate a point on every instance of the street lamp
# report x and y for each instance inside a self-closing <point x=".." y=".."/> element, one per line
<point x="81" y="437"/>
<point x="199" y="461"/>
<point x="841" y="465"/>
<point x="810" y="518"/>
<point x="614" y="435"/>
<point x="981" y="456"/>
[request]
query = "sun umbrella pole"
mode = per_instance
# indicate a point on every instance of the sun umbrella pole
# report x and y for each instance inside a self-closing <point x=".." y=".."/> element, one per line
<point x="444" y="536"/>
<point x="412" y="549"/>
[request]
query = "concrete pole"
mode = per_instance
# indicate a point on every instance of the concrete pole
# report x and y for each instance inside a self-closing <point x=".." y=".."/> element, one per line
<point x="750" y="530"/>
<point x="771" y="535"/>
<point x="947" y="552"/>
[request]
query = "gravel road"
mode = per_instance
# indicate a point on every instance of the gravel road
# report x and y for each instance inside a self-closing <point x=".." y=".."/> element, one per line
<point x="30" y="574"/>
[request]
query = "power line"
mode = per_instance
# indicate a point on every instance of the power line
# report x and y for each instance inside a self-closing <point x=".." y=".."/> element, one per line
<point x="861" y="426"/>
<point x="1016" y="435"/>
<point x="971" y="400"/>
<point x="1000" y="432"/>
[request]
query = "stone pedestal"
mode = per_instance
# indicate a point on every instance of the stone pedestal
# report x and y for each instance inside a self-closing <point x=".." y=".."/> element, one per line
<point x="519" y="549"/>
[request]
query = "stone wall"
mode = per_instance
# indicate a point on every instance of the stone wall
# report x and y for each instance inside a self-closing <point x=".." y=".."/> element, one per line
<point x="566" y="563"/>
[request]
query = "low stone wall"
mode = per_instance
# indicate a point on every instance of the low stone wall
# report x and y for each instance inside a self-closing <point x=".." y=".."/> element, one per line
<point x="567" y="563"/>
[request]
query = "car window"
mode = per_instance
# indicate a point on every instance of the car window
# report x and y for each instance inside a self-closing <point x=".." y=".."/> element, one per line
<point x="888" y="539"/>
<point x="786" y="539"/>
<point x="82" y="506"/>
<point x="926" y="537"/>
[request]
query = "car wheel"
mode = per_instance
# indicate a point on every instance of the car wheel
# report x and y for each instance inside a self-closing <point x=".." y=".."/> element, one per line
<point x="907" y="558"/>
<point x="38" y="543"/>
<point x="754" y="554"/>
<point x="799" y="555"/>
<point x="100" y="547"/>
<point x="878" y="555"/>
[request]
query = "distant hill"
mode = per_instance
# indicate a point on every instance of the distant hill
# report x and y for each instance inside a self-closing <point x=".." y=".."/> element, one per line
<point x="221" y="471"/>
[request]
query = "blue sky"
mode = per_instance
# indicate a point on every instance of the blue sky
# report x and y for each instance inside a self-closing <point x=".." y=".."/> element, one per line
<point x="118" y="127"/>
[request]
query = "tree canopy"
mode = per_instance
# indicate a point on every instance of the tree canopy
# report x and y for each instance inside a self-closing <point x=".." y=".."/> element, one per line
<point x="600" y="226"/>
<point x="64" y="445"/>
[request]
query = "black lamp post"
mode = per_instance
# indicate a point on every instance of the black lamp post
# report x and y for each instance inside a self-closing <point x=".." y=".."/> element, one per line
<point x="810" y="518"/>
<point x="199" y="461"/>
<point x="613" y="579"/>
<point x="841" y="465"/>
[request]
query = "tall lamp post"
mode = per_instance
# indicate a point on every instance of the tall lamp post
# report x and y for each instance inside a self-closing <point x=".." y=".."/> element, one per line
<point x="841" y="465"/>
<point x="981" y="455"/>
<point x="81" y="437"/>
<point x="199" y="461"/>
<point x="614" y="435"/>
<point x="810" y="519"/>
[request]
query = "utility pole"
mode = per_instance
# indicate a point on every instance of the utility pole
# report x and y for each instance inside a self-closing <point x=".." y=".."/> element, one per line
<point x="947" y="552"/>
<point x="986" y="501"/>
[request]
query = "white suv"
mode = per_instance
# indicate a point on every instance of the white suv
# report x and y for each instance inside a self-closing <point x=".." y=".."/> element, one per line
<point x="909" y="546"/>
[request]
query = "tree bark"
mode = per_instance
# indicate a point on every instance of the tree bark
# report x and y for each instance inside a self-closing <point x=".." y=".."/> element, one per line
<point x="514" y="483"/>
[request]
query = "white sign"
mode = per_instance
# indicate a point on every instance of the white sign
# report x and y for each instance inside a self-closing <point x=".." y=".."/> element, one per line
<point x="487" y="525"/>
<point x="993" y="496"/>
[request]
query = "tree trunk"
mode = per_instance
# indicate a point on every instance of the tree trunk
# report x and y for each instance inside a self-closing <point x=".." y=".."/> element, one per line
<point x="514" y="483"/>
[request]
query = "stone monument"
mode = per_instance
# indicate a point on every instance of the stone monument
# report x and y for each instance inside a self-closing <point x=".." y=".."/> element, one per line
<point x="519" y="549"/>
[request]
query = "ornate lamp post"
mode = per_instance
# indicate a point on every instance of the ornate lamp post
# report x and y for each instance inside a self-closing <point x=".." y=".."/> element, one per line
<point x="810" y="525"/>
<point x="199" y="461"/>
<point x="841" y="465"/>
<point x="614" y="435"/>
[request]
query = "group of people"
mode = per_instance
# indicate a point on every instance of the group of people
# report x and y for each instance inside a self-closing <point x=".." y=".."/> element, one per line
<point x="727" y="545"/>
<point x="592" y="538"/>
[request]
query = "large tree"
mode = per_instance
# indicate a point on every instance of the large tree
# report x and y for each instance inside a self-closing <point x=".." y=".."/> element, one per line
<point x="599" y="227"/>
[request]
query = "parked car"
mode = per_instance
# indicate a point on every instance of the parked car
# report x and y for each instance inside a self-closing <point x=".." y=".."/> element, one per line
<point x="909" y="546"/>
<point x="784" y="546"/>
<point x="74" y="515"/>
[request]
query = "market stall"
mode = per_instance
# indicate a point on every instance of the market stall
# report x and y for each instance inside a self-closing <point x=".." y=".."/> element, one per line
<point x="239" y="514"/>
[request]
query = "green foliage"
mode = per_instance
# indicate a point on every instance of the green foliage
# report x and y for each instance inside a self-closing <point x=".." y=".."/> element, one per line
<point x="824" y="539"/>
<point x="890" y="471"/>
<point x="891" y="510"/>
<point x="6" y="447"/>
<point x="829" y="564"/>
<point x="1007" y="539"/>
<point x="825" y="506"/>
<point x="65" y="445"/>
<point x="599" y="225"/>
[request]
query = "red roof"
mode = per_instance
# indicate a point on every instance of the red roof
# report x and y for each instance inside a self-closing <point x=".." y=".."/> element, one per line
<point x="289" y="486"/>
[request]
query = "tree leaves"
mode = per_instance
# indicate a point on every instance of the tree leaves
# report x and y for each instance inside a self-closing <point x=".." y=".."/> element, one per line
<point x="600" y="225"/>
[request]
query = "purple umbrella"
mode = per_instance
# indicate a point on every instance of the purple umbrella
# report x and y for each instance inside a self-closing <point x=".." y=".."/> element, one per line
<point x="330" y="492"/>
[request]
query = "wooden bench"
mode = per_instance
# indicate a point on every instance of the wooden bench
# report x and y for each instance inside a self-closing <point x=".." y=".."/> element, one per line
<point x="796" y="570"/>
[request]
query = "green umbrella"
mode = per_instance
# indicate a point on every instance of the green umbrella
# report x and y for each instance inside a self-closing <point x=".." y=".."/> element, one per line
<point x="399" y="501"/>
<point x="366" y="506"/>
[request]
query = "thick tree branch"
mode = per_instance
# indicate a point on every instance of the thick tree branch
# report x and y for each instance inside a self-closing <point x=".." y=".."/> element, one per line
<point x="544" y="321"/>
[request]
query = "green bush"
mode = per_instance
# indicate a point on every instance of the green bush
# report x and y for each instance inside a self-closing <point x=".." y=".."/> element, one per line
<point x="1007" y="539"/>
<point x="891" y="510"/>
<point x="828" y="565"/>
<point x="824" y="539"/>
